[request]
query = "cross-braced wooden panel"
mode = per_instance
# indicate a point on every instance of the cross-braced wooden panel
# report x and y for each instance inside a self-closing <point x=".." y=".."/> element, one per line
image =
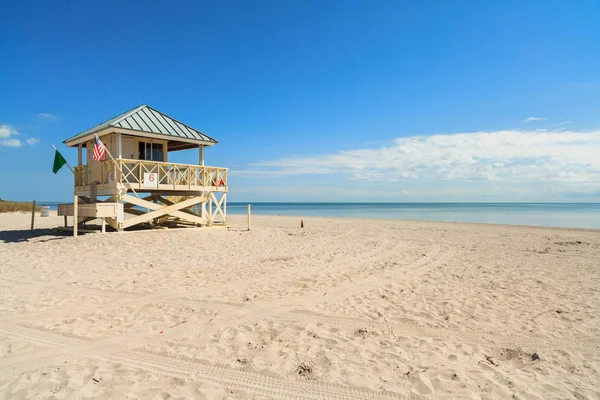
<point x="217" y="208"/>
<point x="130" y="171"/>
<point x="181" y="209"/>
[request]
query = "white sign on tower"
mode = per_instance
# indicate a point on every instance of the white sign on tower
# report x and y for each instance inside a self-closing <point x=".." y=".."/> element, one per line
<point x="151" y="180"/>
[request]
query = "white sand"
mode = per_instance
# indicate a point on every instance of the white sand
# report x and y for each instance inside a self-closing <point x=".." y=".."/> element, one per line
<point x="343" y="309"/>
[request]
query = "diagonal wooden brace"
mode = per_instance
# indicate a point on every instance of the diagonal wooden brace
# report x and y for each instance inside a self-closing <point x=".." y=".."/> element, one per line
<point x="218" y="205"/>
<point x="160" y="210"/>
<point x="170" y="203"/>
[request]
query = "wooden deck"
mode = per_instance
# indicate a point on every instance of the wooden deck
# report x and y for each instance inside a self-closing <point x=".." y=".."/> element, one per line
<point x="133" y="174"/>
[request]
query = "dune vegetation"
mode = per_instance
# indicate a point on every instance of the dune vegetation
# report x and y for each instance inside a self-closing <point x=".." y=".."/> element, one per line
<point x="16" y="206"/>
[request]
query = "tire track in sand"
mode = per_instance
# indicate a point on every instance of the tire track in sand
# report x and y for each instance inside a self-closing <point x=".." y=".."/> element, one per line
<point x="115" y="350"/>
<point x="234" y="379"/>
<point x="123" y="299"/>
<point x="231" y="314"/>
<point x="472" y="337"/>
<point x="112" y="348"/>
<point x="430" y="260"/>
<point x="34" y="335"/>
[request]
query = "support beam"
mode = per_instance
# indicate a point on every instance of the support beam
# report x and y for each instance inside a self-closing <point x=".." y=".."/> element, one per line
<point x="218" y="207"/>
<point x="160" y="210"/>
<point x="119" y="145"/>
<point x="170" y="203"/>
<point x="113" y="223"/>
<point x="75" y="214"/>
<point x="120" y="214"/>
<point x="201" y="155"/>
<point x="80" y="155"/>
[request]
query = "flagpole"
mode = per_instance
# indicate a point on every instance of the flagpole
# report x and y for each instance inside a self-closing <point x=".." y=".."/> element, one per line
<point x="116" y="165"/>
<point x="66" y="162"/>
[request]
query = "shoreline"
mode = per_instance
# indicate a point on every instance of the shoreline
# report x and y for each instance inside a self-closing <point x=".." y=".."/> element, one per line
<point x="562" y="215"/>
<point x="324" y="217"/>
<point x="420" y="220"/>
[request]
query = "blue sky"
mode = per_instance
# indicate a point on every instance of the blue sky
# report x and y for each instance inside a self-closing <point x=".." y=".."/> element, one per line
<point x="318" y="101"/>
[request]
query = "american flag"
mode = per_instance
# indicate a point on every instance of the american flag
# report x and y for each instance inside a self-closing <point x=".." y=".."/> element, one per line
<point x="98" y="149"/>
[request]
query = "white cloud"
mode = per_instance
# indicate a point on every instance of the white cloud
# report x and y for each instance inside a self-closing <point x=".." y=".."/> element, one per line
<point x="11" y="143"/>
<point x="534" y="119"/>
<point x="7" y="131"/>
<point x="567" y="159"/>
<point x="7" y="136"/>
<point x="47" y="116"/>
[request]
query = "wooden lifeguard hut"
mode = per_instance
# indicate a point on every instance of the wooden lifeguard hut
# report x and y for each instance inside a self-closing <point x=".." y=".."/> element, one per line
<point x="136" y="183"/>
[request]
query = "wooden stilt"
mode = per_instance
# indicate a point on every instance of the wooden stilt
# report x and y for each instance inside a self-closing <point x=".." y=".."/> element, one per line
<point x="75" y="215"/>
<point x="210" y="212"/>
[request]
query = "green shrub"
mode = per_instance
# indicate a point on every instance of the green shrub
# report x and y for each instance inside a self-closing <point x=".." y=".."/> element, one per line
<point x="16" y="206"/>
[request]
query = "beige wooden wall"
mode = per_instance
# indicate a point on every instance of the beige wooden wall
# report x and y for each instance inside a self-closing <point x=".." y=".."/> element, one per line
<point x="129" y="149"/>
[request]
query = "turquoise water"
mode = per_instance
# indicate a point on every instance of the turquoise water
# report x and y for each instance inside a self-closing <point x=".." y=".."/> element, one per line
<point x="570" y="215"/>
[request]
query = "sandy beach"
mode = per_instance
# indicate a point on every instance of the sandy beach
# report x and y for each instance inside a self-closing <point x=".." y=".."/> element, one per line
<point x="342" y="309"/>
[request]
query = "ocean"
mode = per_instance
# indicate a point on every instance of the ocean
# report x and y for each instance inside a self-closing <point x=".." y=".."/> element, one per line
<point x="569" y="215"/>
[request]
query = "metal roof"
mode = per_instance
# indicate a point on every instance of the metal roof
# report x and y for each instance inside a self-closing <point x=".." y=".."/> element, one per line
<point x="146" y="119"/>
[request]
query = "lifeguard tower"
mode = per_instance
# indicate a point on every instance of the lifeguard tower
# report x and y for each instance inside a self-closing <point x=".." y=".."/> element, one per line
<point x="138" y="184"/>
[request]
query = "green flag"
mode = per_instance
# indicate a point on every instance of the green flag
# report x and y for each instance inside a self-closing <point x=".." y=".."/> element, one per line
<point x="59" y="161"/>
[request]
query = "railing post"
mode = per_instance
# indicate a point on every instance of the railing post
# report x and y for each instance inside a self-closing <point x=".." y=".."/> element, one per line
<point x="120" y="171"/>
<point x="158" y="169"/>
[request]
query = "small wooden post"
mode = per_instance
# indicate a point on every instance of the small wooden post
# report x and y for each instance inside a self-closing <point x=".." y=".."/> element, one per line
<point x="103" y="225"/>
<point x="65" y="221"/>
<point x="75" y="215"/>
<point x="32" y="214"/>
<point x="249" y="206"/>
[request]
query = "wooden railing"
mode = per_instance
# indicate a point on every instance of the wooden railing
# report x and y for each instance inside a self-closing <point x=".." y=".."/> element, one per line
<point x="81" y="175"/>
<point x="170" y="176"/>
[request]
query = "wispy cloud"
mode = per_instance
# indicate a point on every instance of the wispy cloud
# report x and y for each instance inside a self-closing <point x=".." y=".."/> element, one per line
<point x="556" y="158"/>
<point x="11" y="142"/>
<point x="32" y="141"/>
<point x="563" y="123"/>
<point x="47" y="116"/>
<point x="530" y="119"/>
